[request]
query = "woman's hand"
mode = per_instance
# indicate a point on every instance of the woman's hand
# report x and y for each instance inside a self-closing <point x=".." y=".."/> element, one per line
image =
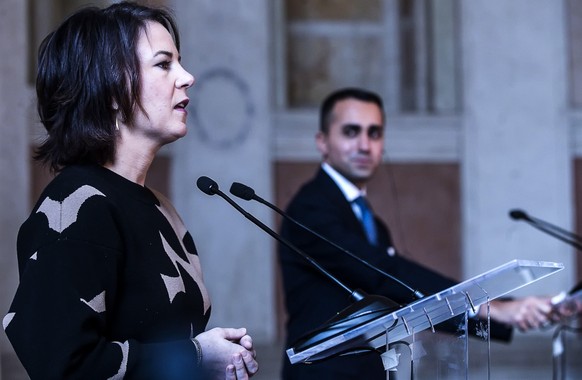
<point x="228" y="353"/>
<point x="244" y="365"/>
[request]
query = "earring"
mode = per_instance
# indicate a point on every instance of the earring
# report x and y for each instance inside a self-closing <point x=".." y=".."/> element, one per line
<point x="116" y="124"/>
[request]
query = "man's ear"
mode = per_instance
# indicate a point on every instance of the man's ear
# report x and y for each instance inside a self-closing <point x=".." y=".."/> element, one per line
<point x="321" y="142"/>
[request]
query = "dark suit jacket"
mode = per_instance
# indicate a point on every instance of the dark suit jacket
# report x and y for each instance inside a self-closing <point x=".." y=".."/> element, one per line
<point x="312" y="299"/>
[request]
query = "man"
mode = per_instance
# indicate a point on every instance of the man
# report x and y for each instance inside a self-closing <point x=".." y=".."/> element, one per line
<point x="351" y="141"/>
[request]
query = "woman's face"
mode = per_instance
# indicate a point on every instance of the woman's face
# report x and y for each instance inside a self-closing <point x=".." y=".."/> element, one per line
<point x="163" y="87"/>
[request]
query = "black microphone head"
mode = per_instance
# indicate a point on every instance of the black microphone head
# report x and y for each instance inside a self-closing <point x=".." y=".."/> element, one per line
<point x="207" y="185"/>
<point x="517" y="214"/>
<point x="242" y="191"/>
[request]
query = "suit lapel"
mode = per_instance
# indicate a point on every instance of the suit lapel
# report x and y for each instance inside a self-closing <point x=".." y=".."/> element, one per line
<point x="336" y="197"/>
<point x="332" y="194"/>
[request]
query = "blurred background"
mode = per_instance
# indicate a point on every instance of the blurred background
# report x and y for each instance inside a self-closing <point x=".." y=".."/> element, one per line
<point x="484" y="115"/>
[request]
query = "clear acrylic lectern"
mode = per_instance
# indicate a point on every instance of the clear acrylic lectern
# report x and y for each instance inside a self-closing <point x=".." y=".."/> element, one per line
<point x="567" y="338"/>
<point x="434" y="356"/>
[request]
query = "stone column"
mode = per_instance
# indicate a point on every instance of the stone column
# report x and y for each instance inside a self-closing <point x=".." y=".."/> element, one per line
<point x="226" y="49"/>
<point x="14" y="152"/>
<point x="516" y="152"/>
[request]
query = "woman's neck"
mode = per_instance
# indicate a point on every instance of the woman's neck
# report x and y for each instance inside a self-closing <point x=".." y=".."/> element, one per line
<point x="132" y="160"/>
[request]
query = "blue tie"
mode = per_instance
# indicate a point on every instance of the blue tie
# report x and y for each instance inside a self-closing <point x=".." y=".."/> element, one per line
<point x="367" y="219"/>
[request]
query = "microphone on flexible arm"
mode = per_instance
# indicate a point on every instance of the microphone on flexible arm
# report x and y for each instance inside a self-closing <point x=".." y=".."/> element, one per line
<point x="247" y="193"/>
<point x="365" y="308"/>
<point x="555" y="231"/>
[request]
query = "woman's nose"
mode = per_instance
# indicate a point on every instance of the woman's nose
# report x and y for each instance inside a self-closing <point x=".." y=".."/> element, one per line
<point x="185" y="79"/>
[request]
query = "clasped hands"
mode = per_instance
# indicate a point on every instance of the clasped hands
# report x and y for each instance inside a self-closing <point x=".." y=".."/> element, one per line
<point x="228" y="353"/>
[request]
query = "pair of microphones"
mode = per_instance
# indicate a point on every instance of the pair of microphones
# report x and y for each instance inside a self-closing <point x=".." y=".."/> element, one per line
<point x="365" y="308"/>
<point x="210" y="187"/>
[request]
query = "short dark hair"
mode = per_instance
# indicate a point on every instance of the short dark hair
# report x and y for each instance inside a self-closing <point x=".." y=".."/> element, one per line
<point x="88" y="75"/>
<point x="326" y="110"/>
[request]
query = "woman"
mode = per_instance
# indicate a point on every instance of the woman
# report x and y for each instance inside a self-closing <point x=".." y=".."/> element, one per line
<point x="110" y="281"/>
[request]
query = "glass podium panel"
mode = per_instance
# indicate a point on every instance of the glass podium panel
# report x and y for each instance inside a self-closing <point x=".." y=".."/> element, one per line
<point x="567" y="345"/>
<point x="567" y="339"/>
<point x="422" y="315"/>
<point x="442" y="355"/>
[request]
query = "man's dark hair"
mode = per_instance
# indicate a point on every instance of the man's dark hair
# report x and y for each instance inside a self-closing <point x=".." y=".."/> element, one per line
<point x="326" y="110"/>
<point x="89" y="75"/>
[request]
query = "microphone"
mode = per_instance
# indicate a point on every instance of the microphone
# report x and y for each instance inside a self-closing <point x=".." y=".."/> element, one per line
<point x="247" y="193"/>
<point x="518" y="215"/>
<point x="365" y="308"/>
<point x="555" y="231"/>
<point x="210" y="187"/>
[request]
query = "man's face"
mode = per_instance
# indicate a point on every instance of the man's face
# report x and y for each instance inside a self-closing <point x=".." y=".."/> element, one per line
<point x="355" y="141"/>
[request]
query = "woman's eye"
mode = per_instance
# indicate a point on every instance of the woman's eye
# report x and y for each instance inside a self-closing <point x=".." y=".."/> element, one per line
<point x="165" y="65"/>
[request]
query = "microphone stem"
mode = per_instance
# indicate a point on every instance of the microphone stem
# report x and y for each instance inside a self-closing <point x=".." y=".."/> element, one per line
<point x="557" y="230"/>
<point x="416" y="293"/>
<point x="354" y="294"/>
<point x="549" y="231"/>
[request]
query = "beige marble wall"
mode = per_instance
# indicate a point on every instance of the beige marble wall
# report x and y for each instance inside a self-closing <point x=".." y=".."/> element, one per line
<point x="13" y="147"/>
<point x="516" y="136"/>
<point x="227" y="51"/>
<point x="334" y="10"/>
<point x="332" y="44"/>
